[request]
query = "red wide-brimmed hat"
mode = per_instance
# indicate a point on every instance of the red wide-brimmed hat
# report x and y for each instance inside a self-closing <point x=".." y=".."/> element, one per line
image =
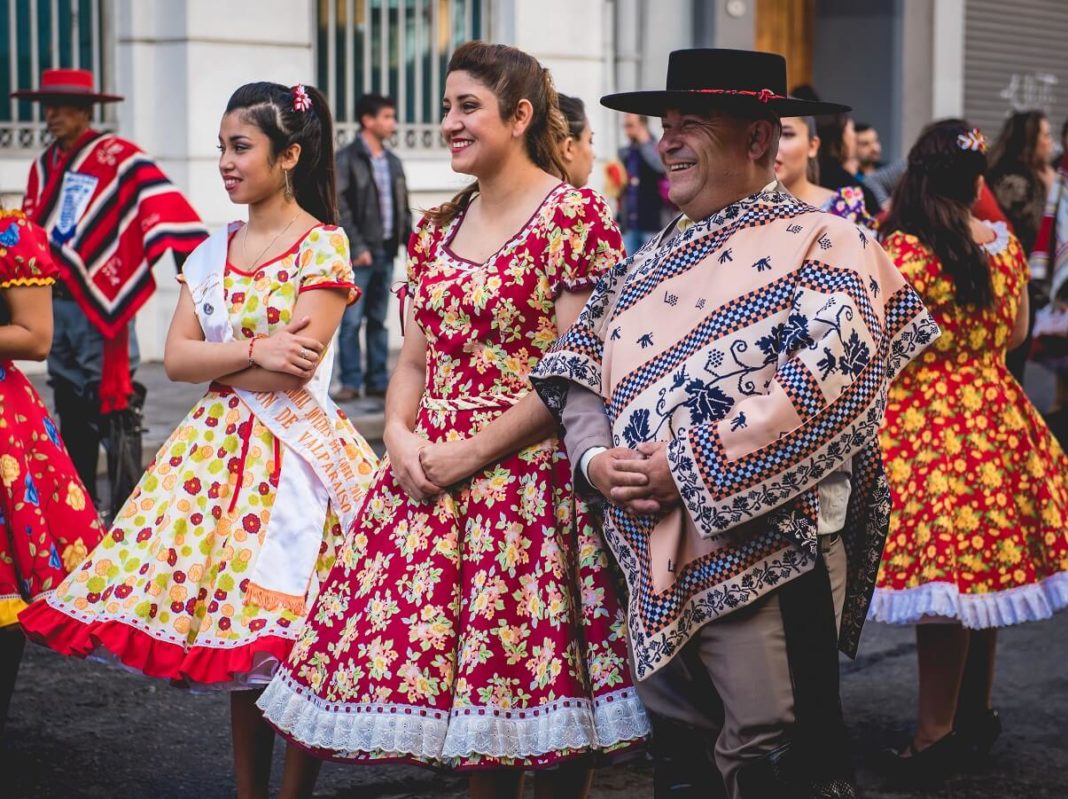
<point x="66" y="84"/>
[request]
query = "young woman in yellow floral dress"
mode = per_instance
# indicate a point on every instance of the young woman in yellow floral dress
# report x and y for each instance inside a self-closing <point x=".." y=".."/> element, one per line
<point x="978" y="536"/>
<point x="207" y="574"/>
<point x="47" y="522"/>
<point x="471" y="621"/>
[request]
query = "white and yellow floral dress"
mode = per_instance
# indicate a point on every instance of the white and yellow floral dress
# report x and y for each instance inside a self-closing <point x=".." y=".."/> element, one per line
<point x="166" y="591"/>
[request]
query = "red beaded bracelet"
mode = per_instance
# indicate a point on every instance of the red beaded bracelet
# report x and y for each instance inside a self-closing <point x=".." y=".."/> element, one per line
<point x="252" y="343"/>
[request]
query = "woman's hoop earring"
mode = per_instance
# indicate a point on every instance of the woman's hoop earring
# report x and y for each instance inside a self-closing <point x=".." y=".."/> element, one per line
<point x="288" y="190"/>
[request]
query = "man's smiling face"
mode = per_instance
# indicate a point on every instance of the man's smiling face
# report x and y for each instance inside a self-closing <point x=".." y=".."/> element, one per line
<point x="705" y="155"/>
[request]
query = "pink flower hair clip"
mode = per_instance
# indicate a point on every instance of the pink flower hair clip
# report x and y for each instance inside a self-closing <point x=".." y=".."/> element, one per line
<point x="972" y="140"/>
<point x="301" y="101"/>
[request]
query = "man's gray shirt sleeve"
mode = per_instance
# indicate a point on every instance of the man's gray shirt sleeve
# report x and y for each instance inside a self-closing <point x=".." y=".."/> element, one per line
<point x="585" y="425"/>
<point x="883" y="181"/>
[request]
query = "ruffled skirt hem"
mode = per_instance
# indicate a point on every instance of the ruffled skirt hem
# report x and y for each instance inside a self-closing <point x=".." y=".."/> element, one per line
<point x="463" y="738"/>
<point x="944" y="602"/>
<point x="240" y="667"/>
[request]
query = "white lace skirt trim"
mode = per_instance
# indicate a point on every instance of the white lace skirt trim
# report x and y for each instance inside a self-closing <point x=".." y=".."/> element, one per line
<point x="350" y="729"/>
<point x="943" y="602"/>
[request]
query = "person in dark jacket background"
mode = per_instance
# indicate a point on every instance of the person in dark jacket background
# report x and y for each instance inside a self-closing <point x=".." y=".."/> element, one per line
<point x="373" y="210"/>
<point x="640" y="204"/>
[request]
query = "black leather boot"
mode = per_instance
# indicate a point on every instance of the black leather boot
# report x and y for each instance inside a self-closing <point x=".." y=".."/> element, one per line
<point x="682" y="764"/>
<point x="785" y="774"/>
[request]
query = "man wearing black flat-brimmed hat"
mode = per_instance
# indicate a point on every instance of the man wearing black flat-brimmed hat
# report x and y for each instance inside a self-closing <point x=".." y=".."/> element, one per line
<point x="110" y="213"/>
<point x="722" y="391"/>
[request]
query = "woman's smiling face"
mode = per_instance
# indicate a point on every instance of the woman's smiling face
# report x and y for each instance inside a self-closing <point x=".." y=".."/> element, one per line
<point x="245" y="161"/>
<point x="471" y="124"/>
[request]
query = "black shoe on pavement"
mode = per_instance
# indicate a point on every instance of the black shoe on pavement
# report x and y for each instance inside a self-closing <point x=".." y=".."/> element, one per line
<point x="978" y="733"/>
<point x="932" y="764"/>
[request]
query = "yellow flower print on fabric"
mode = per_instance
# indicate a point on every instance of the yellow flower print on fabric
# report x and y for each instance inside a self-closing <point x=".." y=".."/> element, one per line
<point x="9" y="470"/>
<point x="75" y="496"/>
<point x="74" y="554"/>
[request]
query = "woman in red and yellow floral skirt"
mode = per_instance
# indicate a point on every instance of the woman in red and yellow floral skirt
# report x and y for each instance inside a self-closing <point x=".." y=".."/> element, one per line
<point x="978" y="534"/>
<point x="47" y="521"/>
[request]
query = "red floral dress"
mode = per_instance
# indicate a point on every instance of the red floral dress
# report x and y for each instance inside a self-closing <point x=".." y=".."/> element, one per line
<point x="482" y="628"/>
<point x="49" y="524"/>
<point x="978" y="531"/>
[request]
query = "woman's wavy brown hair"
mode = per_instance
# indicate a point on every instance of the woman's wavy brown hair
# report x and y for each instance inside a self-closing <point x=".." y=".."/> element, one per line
<point x="1015" y="148"/>
<point x="511" y="75"/>
<point x="932" y="202"/>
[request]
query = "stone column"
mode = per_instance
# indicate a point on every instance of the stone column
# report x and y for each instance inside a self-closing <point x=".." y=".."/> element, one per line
<point x="932" y="65"/>
<point x="570" y="39"/>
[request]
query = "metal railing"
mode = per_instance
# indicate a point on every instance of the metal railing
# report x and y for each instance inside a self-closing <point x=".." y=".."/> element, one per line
<point x="398" y="48"/>
<point x="45" y="34"/>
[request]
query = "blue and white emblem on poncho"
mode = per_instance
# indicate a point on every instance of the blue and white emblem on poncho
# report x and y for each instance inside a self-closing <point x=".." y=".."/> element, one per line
<point x="74" y="196"/>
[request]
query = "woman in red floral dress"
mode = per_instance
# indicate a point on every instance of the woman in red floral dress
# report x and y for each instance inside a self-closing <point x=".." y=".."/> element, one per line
<point x="471" y="620"/>
<point x="978" y="534"/>
<point x="48" y="523"/>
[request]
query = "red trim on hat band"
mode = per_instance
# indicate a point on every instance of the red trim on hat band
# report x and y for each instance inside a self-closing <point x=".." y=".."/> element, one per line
<point x="66" y="88"/>
<point x="764" y="95"/>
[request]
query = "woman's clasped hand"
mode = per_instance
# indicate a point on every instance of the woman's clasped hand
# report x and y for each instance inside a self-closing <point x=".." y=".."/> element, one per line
<point x="287" y="351"/>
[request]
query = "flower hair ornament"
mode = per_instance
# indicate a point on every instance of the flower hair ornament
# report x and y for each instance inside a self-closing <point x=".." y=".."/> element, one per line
<point x="301" y="101"/>
<point x="973" y="140"/>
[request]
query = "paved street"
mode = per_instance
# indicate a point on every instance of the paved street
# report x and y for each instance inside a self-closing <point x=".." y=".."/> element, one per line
<point x="86" y="731"/>
<point x="83" y="730"/>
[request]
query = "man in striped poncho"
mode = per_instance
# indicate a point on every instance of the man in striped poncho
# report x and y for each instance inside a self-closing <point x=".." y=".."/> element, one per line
<point x="722" y="391"/>
<point x="110" y="214"/>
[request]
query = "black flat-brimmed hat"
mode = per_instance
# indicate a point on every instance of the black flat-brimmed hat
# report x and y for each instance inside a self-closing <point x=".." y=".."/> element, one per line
<point x="708" y="79"/>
